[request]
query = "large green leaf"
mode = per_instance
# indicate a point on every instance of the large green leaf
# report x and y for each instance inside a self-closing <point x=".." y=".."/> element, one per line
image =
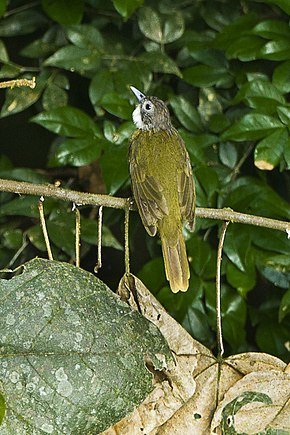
<point x="186" y="113"/>
<point x="205" y="76"/>
<point x="260" y="95"/>
<point x="160" y="62"/>
<point x="72" y="354"/>
<point x="281" y="77"/>
<point x="68" y="121"/>
<point x="252" y="126"/>
<point x="268" y="152"/>
<point x="85" y="36"/>
<point x="283" y="4"/>
<point x="22" y="23"/>
<point x="114" y="165"/>
<point x="61" y="12"/>
<point x="74" y="58"/>
<point x="77" y="151"/>
<point x="160" y="29"/>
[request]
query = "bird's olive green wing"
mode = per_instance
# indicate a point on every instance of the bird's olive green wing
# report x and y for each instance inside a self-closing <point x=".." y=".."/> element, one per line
<point x="186" y="188"/>
<point x="148" y="194"/>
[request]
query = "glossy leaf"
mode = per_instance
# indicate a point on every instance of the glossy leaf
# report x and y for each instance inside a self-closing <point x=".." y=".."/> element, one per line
<point x="59" y="11"/>
<point x="245" y="48"/>
<point x="281" y="77"/>
<point x="271" y="337"/>
<point x="205" y="76"/>
<point x="68" y="121"/>
<point x="272" y="29"/>
<point x="228" y="154"/>
<point x="53" y="97"/>
<point x="85" y="36"/>
<point x="284" y="309"/>
<point x="260" y="95"/>
<point x="2" y="408"/>
<point x="283" y="4"/>
<point x="276" y="50"/>
<point x="173" y="27"/>
<point x="72" y="326"/>
<point x="127" y="7"/>
<point x="78" y="151"/>
<point x="268" y="152"/>
<point x="74" y="58"/>
<point x="23" y="23"/>
<point x="114" y="165"/>
<point x="116" y="105"/>
<point x="19" y="99"/>
<point x="101" y="85"/>
<point x="160" y="62"/>
<point x="186" y="113"/>
<point x="252" y="126"/>
<point x="150" y="24"/>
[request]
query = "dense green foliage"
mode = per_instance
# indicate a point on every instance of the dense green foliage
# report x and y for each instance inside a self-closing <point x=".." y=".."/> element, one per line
<point x="224" y="69"/>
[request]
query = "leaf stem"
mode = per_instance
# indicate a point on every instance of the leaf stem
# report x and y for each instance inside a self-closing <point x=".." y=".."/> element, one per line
<point x="220" y="344"/>
<point x="100" y="223"/>
<point x="44" y="229"/>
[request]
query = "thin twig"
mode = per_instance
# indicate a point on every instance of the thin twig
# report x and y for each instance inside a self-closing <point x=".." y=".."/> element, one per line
<point x="30" y="83"/>
<point x="78" y="234"/>
<point x="127" y="253"/>
<point x="218" y="291"/>
<point x="81" y="198"/>
<point x="44" y="229"/>
<point x="100" y="224"/>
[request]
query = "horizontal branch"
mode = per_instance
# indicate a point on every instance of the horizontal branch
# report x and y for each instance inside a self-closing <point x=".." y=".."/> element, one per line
<point x="81" y="198"/>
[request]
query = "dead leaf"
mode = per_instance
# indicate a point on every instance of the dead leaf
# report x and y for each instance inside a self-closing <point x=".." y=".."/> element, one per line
<point x="199" y="394"/>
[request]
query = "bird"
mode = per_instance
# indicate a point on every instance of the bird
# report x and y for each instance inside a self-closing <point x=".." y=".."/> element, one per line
<point x="162" y="184"/>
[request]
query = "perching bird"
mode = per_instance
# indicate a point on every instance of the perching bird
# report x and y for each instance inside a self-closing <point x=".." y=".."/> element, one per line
<point x="162" y="184"/>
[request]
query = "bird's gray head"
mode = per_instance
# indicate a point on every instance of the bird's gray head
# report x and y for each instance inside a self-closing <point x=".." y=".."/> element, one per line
<point x="150" y="113"/>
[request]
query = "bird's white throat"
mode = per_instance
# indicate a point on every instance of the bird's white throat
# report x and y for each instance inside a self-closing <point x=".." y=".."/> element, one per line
<point x="137" y="118"/>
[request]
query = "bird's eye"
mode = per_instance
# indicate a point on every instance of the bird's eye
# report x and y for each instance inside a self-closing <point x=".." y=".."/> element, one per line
<point x="148" y="107"/>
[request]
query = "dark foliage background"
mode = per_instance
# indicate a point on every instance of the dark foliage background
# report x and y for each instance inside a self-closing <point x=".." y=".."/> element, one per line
<point x="223" y="66"/>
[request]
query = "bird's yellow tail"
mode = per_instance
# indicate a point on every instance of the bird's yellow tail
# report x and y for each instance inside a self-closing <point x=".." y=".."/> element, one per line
<point x="175" y="262"/>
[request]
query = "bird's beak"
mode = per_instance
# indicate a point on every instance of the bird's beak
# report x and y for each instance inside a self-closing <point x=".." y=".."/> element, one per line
<point x="137" y="94"/>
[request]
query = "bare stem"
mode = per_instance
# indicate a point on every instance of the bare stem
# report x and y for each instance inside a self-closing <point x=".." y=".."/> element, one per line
<point x="44" y="229"/>
<point x="127" y="253"/>
<point x="218" y="290"/>
<point x="81" y="198"/>
<point x="100" y="224"/>
<point x="78" y="235"/>
<point x="19" y="83"/>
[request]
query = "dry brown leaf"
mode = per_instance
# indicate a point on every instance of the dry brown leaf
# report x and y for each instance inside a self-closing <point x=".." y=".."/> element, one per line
<point x="198" y="394"/>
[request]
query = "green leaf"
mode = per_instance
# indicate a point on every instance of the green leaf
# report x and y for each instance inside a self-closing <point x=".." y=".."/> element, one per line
<point x="78" y="151"/>
<point x="186" y="113"/>
<point x="276" y="269"/>
<point x="281" y="77"/>
<point x="75" y="348"/>
<point x="59" y="11"/>
<point x="2" y="408"/>
<point x="160" y="62"/>
<point x="228" y="154"/>
<point x="283" y="4"/>
<point x="286" y="153"/>
<point x="250" y="195"/>
<point x="203" y="258"/>
<point x="272" y="29"/>
<point x="284" y="114"/>
<point x="19" y="99"/>
<point x="3" y="53"/>
<point x="23" y="174"/>
<point x="161" y="31"/>
<point x="153" y="275"/>
<point x="38" y="48"/>
<point x="127" y="7"/>
<point x="284" y="309"/>
<point x="150" y="24"/>
<point x="245" y="48"/>
<point x="74" y="58"/>
<point x="206" y="76"/>
<point x="173" y="27"/>
<point x="114" y="165"/>
<point x="100" y="85"/>
<point x="3" y="6"/>
<point x="68" y="121"/>
<point x="276" y="50"/>
<point x="22" y="206"/>
<point x="252" y="126"/>
<point x="116" y="105"/>
<point x="85" y="36"/>
<point x="53" y="97"/>
<point x="268" y="152"/>
<point x="22" y="23"/>
<point x="89" y="233"/>
<point x="260" y="95"/>
<point x="271" y="336"/>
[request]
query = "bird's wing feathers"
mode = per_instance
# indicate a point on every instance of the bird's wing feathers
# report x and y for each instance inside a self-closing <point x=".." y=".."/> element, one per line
<point x="148" y="194"/>
<point x="186" y="188"/>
